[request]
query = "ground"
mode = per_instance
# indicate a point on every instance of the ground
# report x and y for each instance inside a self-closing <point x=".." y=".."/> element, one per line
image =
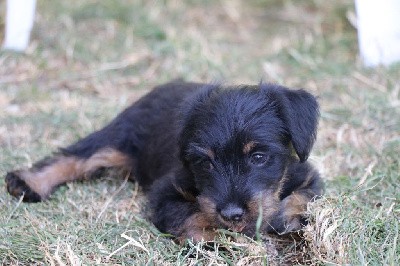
<point x="90" y="59"/>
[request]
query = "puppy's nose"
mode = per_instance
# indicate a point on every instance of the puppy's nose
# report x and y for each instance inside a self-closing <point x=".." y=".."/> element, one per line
<point x="232" y="212"/>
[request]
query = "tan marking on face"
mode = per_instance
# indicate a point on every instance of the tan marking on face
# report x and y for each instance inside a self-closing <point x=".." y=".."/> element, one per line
<point x="236" y="226"/>
<point x="268" y="202"/>
<point x="66" y="168"/>
<point x="207" y="151"/>
<point x="210" y="154"/>
<point x="248" y="147"/>
<point x="207" y="206"/>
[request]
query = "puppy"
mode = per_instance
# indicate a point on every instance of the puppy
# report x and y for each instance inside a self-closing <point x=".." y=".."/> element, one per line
<point x="208" y="157"/>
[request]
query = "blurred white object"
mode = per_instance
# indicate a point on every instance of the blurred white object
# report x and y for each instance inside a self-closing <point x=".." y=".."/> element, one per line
<point x="378" y="23"/>
<point x="19" y="22"/>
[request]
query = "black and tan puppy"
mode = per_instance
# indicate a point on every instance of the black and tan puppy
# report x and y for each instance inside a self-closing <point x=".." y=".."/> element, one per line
<point x="208" y="156"/>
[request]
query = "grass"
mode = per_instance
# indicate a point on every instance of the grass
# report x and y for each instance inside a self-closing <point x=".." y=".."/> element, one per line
<point x="89" y="59"/>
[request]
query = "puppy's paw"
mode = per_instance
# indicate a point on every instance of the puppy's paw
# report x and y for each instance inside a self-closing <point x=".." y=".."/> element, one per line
<point x="197" y="235"/>
<point x="17" y="187"/>
<point x="197" y="228"/>
<point x="292" y="214"/>
<point x="293" y="223"/>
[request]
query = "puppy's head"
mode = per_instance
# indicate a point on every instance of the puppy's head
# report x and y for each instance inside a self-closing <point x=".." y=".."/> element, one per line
<point x="237" y="143"/>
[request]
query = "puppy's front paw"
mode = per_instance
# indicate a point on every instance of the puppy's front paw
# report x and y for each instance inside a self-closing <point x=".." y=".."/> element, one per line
<point x="292" y="213"/>
<point x="17" y="187"/>
<point x="293" y="223"/>
<point x="197" y="228"/>
<point x="198" y="235"/>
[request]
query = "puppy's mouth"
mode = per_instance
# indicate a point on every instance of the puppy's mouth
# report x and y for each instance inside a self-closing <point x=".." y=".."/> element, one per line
<point x="234" y="226"/>
<point x="208" y="208"/>
<point x="264" y="204"/>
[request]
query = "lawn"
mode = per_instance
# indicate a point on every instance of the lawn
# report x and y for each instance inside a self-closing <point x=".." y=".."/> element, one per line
<point x="90" y="59"/>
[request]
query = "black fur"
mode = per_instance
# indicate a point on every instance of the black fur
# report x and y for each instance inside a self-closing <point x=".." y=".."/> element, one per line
<point x="16" y="186"/>
<point x="187" y="141"/>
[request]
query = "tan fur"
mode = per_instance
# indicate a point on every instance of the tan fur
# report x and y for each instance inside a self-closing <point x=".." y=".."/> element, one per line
<point x="207" y="151"/>
<point x="65" y="169"/>
<point x="185" y="194"/>
<point x="207" y="206"/>
<point x="266" y="199"/>
<point x="269" y="202"/>
<point x="210" y="154"/>
<point x="295" y="204"/>
<point x="307" y="180"/>
<point x="248" y="147"/>
<point x="294" y="207"/>
<point x="197" y="228"/>
<point x="282" y="182"/>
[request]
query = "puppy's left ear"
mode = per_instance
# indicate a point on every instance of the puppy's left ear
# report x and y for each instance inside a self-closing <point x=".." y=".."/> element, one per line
<point x="300" y="111"/>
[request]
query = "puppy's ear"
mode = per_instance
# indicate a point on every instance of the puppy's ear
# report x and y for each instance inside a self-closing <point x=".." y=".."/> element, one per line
<point x="300" y="111"/>
<point x="191" y="113"/>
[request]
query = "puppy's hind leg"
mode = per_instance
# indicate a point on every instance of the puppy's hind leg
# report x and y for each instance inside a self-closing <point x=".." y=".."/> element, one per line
<point x="80" y="160"/>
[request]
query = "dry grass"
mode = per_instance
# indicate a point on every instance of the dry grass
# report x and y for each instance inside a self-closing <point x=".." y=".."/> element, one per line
<point x="90" y="59"/>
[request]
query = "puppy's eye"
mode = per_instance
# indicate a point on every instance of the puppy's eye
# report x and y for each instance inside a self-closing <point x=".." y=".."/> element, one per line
<point x="259" y="158"/>
<point x="204" y="164"/>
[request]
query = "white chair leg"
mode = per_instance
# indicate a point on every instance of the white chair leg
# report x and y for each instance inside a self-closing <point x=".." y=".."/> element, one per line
<point x="378" y="23"/>
<point x="19" y="22"/>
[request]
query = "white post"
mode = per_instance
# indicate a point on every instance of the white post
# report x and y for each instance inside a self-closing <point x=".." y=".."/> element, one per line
<point x="19" y="22"/>
<point x="378" y="23"/>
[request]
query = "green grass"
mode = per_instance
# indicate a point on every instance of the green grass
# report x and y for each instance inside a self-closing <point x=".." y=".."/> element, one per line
<point x="90" y="59"/>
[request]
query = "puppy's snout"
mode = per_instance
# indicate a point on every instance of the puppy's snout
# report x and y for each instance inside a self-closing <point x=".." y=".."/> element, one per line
<point x="232" y="213"/>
